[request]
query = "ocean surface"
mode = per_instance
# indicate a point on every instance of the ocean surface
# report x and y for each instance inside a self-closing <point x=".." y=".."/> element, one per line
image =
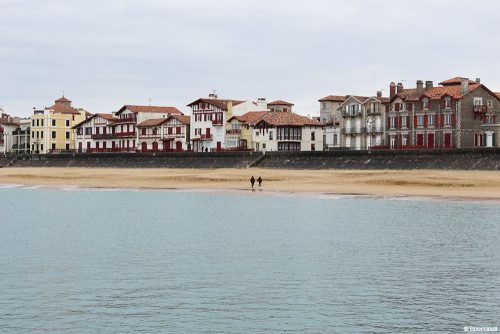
<point x="124" y="261"/>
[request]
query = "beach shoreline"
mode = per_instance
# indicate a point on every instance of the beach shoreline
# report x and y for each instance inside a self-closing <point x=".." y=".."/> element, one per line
<point x="437" y="184"/>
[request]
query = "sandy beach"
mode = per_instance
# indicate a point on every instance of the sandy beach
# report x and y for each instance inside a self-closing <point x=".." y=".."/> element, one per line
<point x="428" y="183"/>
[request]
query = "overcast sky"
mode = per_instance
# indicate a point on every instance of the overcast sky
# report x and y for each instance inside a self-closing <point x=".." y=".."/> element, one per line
<point x="104" y="54"/>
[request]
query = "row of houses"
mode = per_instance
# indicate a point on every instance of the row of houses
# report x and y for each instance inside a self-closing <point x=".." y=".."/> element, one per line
<point x="458" y="113"/>
<point x="214" y="125"/>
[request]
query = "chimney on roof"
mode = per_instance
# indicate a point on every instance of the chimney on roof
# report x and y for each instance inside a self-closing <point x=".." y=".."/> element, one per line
<point x="464" y="85"/>
<point x="212" y="96"/>
<point x="420" y="87"/>
<point x="478" y="81"/>
<point x="400" y="87"/>
<point x="392" y="89"/>
<point x="429" y="85"/>
<point x="262" y="102"/>
<point x="379" y="93"/>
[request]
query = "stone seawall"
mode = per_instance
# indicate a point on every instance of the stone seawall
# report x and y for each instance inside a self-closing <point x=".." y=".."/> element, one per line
<point x="476" y="159"/>
<point x="133" y="160"/>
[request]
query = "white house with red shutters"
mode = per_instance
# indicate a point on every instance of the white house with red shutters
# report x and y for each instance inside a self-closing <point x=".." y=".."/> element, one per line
<point x="117" y="132"/>
<point x="171" y="134"/>
<point x="96" y="134"/>
<point x="130" y="115"/>
<point x="209" y="117"/>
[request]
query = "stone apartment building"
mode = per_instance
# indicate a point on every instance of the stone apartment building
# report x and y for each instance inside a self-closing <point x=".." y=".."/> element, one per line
<point x="329" y="108"/>
<point x="459" y="113"/>
<point x="363" y="119"/>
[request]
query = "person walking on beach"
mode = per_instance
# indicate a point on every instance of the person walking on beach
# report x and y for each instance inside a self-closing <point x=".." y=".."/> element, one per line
<point x="252" y="181"/>
<point x="260" y="181"/>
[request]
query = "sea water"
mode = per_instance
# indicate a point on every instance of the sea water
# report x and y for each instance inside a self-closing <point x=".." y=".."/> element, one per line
<point x="95" y="261"/>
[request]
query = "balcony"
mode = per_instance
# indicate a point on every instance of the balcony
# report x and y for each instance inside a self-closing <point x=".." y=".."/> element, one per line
<point x="480" y="109"/>
<point x="233" y="132"/>
<point x="125" y="134"/>
<point x="347" y="130"/>
<point x="206" y="137"/>
<point x="374" y="111"/>
<point x="174" y="135"/>
<point x="103" y="136"/>
<point x="374" y="129"/>
<point x="132" y="119"/>
<point x="217" y="122"/>
<point x="352" y="113"/>
<point x="358" y="130"/>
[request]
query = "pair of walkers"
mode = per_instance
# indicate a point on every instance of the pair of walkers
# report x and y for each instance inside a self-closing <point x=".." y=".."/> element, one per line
<point x="252" y="181"/>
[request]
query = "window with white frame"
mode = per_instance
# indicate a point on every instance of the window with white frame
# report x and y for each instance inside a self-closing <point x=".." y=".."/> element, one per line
<point x="431" y="120"/>
<point x="420" y="120"/>
<point x="404" y="122"/>
<point x="404" y="140"/>
<point x="426" y="104"/>
<point x="447" y="120"/>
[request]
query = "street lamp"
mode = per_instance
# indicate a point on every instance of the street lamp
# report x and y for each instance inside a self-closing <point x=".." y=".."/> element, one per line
<point x="369" y="126"/>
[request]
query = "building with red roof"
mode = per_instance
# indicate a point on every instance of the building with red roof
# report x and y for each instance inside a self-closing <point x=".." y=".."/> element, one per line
<point x="209" y="121"/>
<point x="286" y="131"/>
<point x="460" y="113"/>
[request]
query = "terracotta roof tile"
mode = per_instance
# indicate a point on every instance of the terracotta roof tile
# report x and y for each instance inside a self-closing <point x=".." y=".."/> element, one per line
<point x="250" y="117"/>
<point x="63" y="109"/>
<point x="287" y="118"/>
<point x="159" y="121"/>
<point x="151" y="109"/>
<point x="333" y="98"/>
<point x="151" y="122"/>
<point x="109" y="117"/>
<point x="454" y="81"/>
<point x="182" y="118"/>
<point x="6" y="119"/>
<point x="62" y="99"/>
<point x="454" y="91"/>
<point x="280" y="103"/>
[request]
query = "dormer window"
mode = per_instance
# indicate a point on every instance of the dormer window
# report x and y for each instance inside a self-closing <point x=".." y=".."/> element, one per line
<point x="426" y="104"/>
<point x="447" y="103"/>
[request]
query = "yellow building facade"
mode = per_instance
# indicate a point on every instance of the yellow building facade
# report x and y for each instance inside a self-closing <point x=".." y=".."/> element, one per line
<point x="51" y="127"/>
<point x="239" y="130"/>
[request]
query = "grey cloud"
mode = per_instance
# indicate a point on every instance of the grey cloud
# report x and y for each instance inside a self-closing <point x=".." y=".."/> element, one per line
<point x="107" y="53"/>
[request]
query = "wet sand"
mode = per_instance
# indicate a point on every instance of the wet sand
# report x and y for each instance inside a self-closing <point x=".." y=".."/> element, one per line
<point x="420" y="183"/>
